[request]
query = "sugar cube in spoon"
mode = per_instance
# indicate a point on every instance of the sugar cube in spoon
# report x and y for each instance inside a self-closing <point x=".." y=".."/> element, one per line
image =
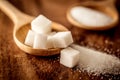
<point x="40" y="41"/>
<point x="50" y="40"/>
<point x="41" y="24"/>
<point x="62" y="39"/>
<point x="29" y="40"/>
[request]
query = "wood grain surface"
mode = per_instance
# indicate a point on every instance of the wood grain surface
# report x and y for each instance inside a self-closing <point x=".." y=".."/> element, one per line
<point x="17" y="65"/>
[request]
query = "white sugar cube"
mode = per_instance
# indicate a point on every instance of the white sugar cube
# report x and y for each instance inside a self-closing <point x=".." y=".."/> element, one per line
<point x="69" y="57"/>
<point x="40" y="41"/>
<point x="50" y="40"/>
<point x="52" y="33"/>
<point x="62" y="39"/>
<point x="29" y="40"/>
<point x="41" y="24"/>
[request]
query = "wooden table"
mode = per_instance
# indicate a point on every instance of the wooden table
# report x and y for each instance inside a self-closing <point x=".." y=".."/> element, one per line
<point x="17" y="65"/>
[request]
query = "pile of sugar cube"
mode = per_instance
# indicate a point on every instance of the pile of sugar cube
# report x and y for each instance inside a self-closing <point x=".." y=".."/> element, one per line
<point x="41" y="36"/>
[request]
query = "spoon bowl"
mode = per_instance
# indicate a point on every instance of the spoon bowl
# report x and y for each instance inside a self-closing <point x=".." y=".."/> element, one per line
<point x="105" y="6"/>
<point x="19" y="39"/>
<point x="22" y="25"/>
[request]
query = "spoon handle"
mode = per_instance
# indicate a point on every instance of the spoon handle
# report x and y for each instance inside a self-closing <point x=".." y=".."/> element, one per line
<point x="18" y="18"/>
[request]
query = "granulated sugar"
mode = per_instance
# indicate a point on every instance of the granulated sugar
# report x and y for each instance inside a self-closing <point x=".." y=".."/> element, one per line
<point x="90" y="17"/>
<point x="97" y="62"/>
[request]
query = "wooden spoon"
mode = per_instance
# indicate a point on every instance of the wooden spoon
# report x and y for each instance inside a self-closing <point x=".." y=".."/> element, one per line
<point x="105" y="6"/>
<point x="22" y="25"/>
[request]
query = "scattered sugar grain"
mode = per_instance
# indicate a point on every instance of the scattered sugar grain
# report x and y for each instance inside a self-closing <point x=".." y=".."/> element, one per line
<point x="90" y="17"/>
<point x="97" y="62"/>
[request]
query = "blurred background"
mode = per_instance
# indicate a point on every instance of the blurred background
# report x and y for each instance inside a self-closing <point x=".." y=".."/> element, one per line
<point x="53" y="9"/>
